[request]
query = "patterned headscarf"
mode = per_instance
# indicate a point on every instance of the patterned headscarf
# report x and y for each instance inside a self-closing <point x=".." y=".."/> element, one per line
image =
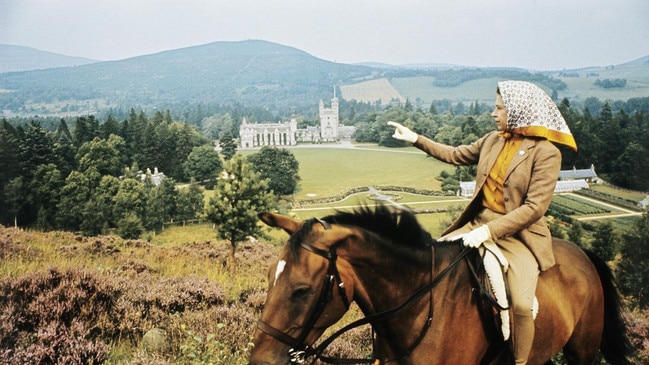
<point x="531" y="112"/>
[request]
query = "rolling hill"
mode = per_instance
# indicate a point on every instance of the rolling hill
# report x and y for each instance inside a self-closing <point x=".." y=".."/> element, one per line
<point x="249" y="72"/>
<point x="280" y="79"/>
<point x="19" y="58"/>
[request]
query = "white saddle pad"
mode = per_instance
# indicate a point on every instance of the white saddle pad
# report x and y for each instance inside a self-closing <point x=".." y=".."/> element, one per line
<point x="494" y="260"/>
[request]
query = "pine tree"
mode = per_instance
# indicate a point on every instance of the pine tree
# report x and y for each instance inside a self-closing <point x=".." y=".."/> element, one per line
<point x="240" y="195"/>
<point x="432" y="110"/>
<point x="229" y="148"/>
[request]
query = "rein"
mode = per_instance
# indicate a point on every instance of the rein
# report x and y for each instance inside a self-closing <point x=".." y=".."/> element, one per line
<point x="389" y="314"/>
<point x="299" y="352"/>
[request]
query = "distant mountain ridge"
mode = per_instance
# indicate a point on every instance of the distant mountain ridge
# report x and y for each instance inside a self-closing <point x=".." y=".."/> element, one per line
<point x="640" y="61"/>
<point x="20" y="58"/>
<point x="251" y="72"/>
<point x="283" y="80"/>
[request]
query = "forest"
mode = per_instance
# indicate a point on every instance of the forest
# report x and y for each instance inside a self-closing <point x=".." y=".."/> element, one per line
<point x="52" y="170"/>
<point x="94" y="175"/>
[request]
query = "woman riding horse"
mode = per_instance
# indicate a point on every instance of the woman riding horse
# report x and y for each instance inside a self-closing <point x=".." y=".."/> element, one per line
<point x="517" y="171"/>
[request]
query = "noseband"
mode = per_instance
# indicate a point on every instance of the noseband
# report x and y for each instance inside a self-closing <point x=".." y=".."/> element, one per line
<point x="299" y="351"/>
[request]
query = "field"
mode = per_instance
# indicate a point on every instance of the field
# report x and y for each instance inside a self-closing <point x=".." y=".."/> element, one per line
<point x="79" y="300"/>
<point x="637" y="83"/>
<point x="421" y="92"/>
<point x="372" y="91"/>
<point x="624" y="194"/>
<point x="576" y="206"/>
<point x="331" y="171"/>
<point x="483" y="90"/>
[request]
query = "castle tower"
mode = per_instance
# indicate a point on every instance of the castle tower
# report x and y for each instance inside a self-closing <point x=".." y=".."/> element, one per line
<point x="329" y="120"/>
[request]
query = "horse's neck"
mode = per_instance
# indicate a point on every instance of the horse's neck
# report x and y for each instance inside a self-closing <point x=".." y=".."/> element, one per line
<point x="448" y="302"/>
<point x="386" y="278"/>
<point x="444" y="254"/>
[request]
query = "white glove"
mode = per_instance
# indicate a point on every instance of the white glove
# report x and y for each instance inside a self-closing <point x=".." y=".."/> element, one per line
<point x="403" y="133"/>
<point x="475" y="238"/>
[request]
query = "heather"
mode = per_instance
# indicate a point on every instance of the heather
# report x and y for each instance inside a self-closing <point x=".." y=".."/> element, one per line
<point x="68" y="299"/>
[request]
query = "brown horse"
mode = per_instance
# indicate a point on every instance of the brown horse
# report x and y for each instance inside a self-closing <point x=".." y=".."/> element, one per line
<point x="417" y="295"/>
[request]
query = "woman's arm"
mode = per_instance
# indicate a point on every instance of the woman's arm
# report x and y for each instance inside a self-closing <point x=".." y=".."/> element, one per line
<point x="460" y="155"/>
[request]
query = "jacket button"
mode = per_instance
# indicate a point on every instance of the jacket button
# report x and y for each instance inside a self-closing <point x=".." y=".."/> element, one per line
<point x="506" y="199"/>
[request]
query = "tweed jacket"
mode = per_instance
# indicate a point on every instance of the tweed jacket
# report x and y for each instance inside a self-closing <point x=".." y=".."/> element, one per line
<point x="527" y="188"/>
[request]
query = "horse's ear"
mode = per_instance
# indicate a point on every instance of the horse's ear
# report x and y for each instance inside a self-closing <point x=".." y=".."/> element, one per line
<point x="280" y="221"/>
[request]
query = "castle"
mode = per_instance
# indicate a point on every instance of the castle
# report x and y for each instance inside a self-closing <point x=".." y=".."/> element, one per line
<point x="255" y="135"/>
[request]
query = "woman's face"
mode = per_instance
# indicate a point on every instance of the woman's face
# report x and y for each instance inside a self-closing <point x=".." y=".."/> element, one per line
<point x="500" y="114"/>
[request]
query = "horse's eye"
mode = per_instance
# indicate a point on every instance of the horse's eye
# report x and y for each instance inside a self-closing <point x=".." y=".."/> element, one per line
<point x="301" y="292"/>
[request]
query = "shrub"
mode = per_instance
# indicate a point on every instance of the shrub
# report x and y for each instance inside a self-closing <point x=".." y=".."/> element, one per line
<point x="130" y="226"/>
<point x="54" y="317"/>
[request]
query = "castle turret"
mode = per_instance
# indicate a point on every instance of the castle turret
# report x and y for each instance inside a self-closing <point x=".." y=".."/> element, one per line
<point x="329" y="121"/>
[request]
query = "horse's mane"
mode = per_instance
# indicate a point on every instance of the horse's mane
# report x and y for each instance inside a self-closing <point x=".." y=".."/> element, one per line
<point x="399" y="228"/>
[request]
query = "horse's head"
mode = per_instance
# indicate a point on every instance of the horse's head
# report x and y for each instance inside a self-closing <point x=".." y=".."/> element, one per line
<point x="309" y="290"/>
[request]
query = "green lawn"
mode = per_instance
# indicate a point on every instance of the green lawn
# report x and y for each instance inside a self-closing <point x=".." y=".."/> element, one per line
<point x="483" y="90"/>
<point x="327" y="171"/>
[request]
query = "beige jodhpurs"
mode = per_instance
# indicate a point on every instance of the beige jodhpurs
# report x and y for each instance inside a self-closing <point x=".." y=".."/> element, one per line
<point x="523" y="272"/>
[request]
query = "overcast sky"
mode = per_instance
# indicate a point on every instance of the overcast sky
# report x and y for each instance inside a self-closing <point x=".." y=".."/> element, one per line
<point x="533" y="34"/>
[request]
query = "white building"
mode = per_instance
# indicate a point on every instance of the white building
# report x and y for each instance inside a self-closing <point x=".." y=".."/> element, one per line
<point x="588" y="175"/>
<point x="256" y="135"/>
<point x="267" y="134"/>
<point x="467" y="188"/>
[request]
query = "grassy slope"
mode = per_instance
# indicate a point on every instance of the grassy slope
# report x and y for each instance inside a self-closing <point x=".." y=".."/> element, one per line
<point x="379" y="89"/>
<point x="483" y="90"/>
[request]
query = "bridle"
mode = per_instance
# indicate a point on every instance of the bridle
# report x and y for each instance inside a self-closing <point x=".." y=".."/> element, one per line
<point x="299" y="351"/>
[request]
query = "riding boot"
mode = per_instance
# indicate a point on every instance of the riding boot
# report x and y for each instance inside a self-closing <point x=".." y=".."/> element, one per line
<point x="523" y="337"/>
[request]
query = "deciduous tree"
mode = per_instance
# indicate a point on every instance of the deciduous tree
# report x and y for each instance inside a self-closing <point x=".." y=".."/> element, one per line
<point x="190" y="201"/>
<point x="74" y="195"/>
<point x="279" y="166"/>
<point x="104" y="155"/>
<point x="605" y="242"/>
<point x="203" y="164"/>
